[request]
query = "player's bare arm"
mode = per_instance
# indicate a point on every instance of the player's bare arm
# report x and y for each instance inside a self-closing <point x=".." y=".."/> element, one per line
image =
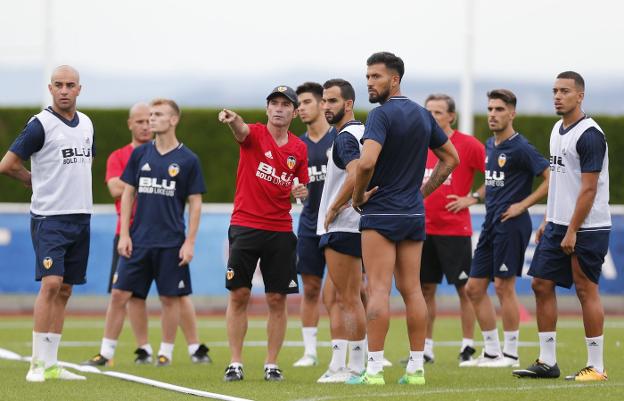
<point x="11" y="165"/>
<point x="115" y="187"/>
<point x="124" y="246"/>
<point x="236" y="124"/>
<point x="364" y="172"/>
<point x="516" y="209"/>
<point x="187" y="251"/>
<point x="448" y="161"/>
<point x="344" y="195"/>
<point x="584" y="202"/>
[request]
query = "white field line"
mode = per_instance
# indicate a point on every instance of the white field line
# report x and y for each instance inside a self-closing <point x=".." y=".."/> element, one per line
<point x="418" y="393"/>
<point x="9" y="355"/>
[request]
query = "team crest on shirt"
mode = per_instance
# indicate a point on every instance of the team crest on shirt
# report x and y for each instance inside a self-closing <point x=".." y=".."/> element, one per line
<point x="47" y="262"/>
<point x="173" y="169"/>
<point x="502" y="159"/>
<point x="290" y="162"/>
<point x="229" y="274"/>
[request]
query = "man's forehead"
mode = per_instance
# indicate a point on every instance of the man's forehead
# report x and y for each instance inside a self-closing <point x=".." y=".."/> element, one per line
<point x="565" y="83"/>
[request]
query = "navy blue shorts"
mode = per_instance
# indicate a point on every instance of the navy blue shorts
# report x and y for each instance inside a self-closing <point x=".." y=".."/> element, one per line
<point x="396" y="228"/>
<point x="347" y="243"/>
<point x="500" y="250"/>
<point x="61" y="246"/>
<point x="551" y="263"/>
<point x="135" y="274"/>
<point x="310" y="258"/>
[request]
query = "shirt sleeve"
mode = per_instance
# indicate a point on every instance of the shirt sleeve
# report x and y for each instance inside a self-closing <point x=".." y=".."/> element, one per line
<point x="534" y="161"/>
<point x="302" y="168"/>
<point x="346" y="149"/>
<point x="591" y="147"/>
<point x="377" y="126"/>
<point x="438" y="137"/>
<point x="129" y="175"/>
<point x="196" y="183"/>
<point x="30" y="140"/>
<point x="114" y="166"/>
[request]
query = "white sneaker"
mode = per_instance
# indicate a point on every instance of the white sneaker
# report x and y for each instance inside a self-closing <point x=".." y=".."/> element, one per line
<point x="57" y="372"/>
<point x="386" y="363"/>
<point x="339" y="376"/>
<point x="483" y="358"/>
<point x="502" y="361"/>
<point x="306" y="361"/>
<point x="35" y="373"/>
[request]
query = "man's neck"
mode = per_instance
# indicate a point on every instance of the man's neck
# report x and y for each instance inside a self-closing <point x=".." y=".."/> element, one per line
<point x="66" y="114"/>
<point x="279" y="134"/>
<point x="136" y="144"/>
<point x="166" y="142"/>
<point x="502" y="136"/>
<point x="448" y="131"/>
<point x="393" y="93"/>
<point x="317" y="129"/>
<point x="572" y="117"/>
<point x="347" y="117"/>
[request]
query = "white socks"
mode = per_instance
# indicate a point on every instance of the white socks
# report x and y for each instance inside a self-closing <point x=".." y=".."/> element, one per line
<point x="107" y="349"/>
<point x="148" y="348"/>
<point x="510" y="346"/>
<point x="39" y="344"/>
<point x="375" y="362"/>
<point x="415" y="362"/>
<point x="491" y="342"/>
<point x="339" y="355"/>
<point x="192" y="348"/>
<point x="466" y="342"/>
<point x="45" y="348"/>
<point x="357" y="354"/>
<point x="166" y="349"/>
<point x="548" y="347"/>
<point x="309" y="340"/>
<point x="594" y="352"/>
<point x="429" y="347"/>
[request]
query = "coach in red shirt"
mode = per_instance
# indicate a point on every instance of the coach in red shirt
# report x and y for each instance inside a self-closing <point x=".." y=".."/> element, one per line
<point x="272" y="161"/>
<point x="448" y="248"/>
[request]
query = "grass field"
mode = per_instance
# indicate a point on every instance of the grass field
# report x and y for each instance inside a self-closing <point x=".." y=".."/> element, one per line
<point x="445" y="381"/>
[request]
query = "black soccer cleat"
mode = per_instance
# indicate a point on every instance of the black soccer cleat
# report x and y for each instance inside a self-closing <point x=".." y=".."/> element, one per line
<point x="201" y="355"/>
<point x="539" y="370"/>
<point x="466" y="354"/>
<point x="142" y="357"/>
<point x="98" y="360"/>
<point x="273" y="375"/>
<point x="233" y="374"/>
<point x="162" y="361"/>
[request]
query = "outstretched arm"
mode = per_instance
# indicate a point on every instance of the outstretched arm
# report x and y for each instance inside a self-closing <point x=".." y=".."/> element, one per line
<point x="236" y="124"/>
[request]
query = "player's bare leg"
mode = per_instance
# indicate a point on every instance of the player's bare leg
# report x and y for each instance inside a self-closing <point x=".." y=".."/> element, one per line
<point x="545" y="304"/>
<point x="429" y="291"/>
<point x="137" y="314"/>
<point x="309" y="311"/>
<point x="510" y="311"/>
<point x="276" y="325"/>
<point x="236" y="318"/>
<point x="170" y="319"/>
<point x="468" y="316"/>
<point x="116" y="313"/>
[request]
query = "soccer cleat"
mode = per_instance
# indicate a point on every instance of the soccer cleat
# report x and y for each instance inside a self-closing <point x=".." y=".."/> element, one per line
<point x="98" y="360"/>
<point x="163" y="361"/>
<point x="273" y="375"/>
<point x="233" y="374"/>
<point x="466" y="354"/>
<point x="35" y="373"/>
<point x="142" y="357"/>
<point x="501" y="361"/>
<point x="201" y="355"/>
<point x="365" y="378"/>
<point x="588" y="374"/>
<point x="417" y="378"/>
<point x="58" y="373"/>
<point x="336" y="376"/>
<point x="538" y="370"/>
<point x="484" y="357"/>
<point x="306" y="361"/>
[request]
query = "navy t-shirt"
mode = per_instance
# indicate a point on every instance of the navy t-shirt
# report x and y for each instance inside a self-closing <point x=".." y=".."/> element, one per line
<point x="405" y="131"/>
<point x="163" y="184"/>
<point x="317" y="170"/>
<point x="346" y="146"/>
<point x="509" y="171"/>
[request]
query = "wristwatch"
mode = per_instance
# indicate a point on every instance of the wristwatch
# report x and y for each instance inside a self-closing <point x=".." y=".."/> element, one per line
<point x="476" y="195"/>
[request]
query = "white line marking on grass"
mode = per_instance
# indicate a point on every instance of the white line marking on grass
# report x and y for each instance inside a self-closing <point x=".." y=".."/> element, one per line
<point x="10" y="355"/>
<point x="419" y="392"/>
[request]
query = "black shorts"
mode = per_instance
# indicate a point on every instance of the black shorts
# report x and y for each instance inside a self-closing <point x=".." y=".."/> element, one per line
<point x="310" y="258"/>
<point x="274" y="249"/>
<point x="445" y="255"/>
<point x="114" y="263"/>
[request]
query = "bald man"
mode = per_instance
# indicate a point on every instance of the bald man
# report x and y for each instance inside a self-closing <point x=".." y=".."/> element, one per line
<point x="60" y="143"/>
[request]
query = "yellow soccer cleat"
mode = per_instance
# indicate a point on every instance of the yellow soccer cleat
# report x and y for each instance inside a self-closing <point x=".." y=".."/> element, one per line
<point x="588" y="374"/>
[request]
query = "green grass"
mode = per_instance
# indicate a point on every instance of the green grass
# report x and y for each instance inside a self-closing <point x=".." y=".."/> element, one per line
<point x="445" y="381"/>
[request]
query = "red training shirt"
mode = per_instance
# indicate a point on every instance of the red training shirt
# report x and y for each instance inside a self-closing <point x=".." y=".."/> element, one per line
<point x="264" y="180"/>
<point x="438" y="220"/>
<point x="115" y="166"/>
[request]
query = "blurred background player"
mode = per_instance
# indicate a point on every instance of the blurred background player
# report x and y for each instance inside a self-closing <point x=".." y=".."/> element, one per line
<point x="447" y="250"/>
<point x="338" y="225"/>
<point x="573" y="240"/>
<point x="60" y="143"/>
<point x="271" y="158"/>
<point x="138" y="124"/>
<point x="310" y="258"/>
<point x="160" y="177"/>
<point x="510" y="165"/>
<point x="388" y="196"/>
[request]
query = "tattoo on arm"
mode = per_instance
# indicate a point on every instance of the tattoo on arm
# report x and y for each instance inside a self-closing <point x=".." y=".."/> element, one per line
<point x="438" y="176"/>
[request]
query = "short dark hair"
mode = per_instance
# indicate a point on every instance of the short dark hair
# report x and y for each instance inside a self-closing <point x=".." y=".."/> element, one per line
<point x="173" y="105"/>
<point x="391" y="62"/>
<point x="450" y="103"/>
<point x="505" y="95"/>
<point x="310" y="87"/>
<point x="578" y="79"/>
<point x="346" y="89"/>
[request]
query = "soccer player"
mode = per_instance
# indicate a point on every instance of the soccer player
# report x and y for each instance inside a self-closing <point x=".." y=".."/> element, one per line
<point x="271" y="158"/>
<point x="338" y="225"/>
<point x="448" y="248"/>
<point x="574" y="237"/>
<point x="389" y="197"/>
<point x="60" y="143"/>
<point x="161" y="176"/>
<point x="310" y="258"/>
<point x="510" y="165"/>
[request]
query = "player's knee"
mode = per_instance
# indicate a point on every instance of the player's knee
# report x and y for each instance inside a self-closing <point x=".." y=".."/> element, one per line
<point x="540" y="287"/>
<point x="239" y="297"/>
<point x="428" y="291"/>
<point x="586" y="292"/>
<point x="119" y="297"/>
<point x="50" y="288"/>
<point x="169" y="302"/>
<point x="275" y="301"/>
<point x="504" y="289"/>
<point x="65" y="291"/>
<point x="311" y="292"/>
